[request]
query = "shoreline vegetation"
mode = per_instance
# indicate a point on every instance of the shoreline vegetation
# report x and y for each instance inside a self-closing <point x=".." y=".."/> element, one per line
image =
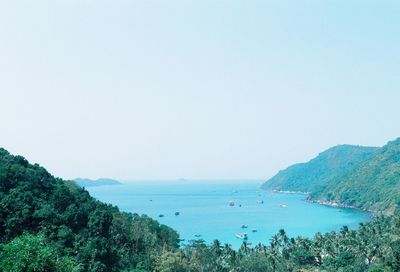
<point x="62" y="229"/>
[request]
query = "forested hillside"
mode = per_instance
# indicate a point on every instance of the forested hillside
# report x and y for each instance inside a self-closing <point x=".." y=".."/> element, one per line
<point x="372" y="184"/>
<point x="90" y="235"/>
<point x="306" y="177"/>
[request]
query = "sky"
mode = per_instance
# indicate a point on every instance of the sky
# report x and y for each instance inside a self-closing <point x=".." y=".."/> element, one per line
<point x="206" y="89"/>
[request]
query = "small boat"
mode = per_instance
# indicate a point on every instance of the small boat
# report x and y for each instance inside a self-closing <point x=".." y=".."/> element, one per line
<point x="240" y="205"/>
<point x="260" y="202"/>
<point x="283" y="206"/>
<point x="197" y="235"/>
<point x="242" y="236"/>
<point x="253" y="230"/>
<point x="231" y="203"/>
<point x="245" y="226"/>
<point x="177" y="213"/>
<point x="161" y="215"/>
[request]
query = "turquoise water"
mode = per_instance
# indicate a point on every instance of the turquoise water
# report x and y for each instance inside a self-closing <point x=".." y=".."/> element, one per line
<point x="204" y="209"/>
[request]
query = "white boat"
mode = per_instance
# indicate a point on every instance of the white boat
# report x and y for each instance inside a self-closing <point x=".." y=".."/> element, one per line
<point x="242" y="236"/>
<point x="283" y="206"/>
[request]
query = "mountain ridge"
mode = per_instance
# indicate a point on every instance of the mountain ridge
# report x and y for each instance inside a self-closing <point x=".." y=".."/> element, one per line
<point x="305" y="177"/>
<point x="372" y="184"/>
<point x="349" y="176"/>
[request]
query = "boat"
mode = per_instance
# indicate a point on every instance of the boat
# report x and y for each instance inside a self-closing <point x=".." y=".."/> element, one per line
<point x="197" y="235"/>
<point x="245" y="226"/>
<point x="177" y="213"/>
<point x="161" y="215"/>
<point x="231" y="203"/>
<point x="253" y="230"/>
<point x="283" y="206"/>
<point x="242" y="236"/>
<point x="260" y="202"/>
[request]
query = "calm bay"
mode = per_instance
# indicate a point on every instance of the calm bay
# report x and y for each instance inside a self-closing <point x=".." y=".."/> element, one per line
<point x="205" y="213"/>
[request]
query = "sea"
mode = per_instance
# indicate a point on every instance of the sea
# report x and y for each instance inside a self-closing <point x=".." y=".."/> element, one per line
<point x="205" y="210"/>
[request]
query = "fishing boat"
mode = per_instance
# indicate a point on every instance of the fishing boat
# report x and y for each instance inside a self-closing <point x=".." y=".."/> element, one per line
<point x="245" y="226"/>
<point x="231" y="203"/>
<point x="253" y="230"/>
<point x="177" y="213"/>
<point x="283" y="206"/>
<point x="161" y="215"/>
<point x="242" y="236"/>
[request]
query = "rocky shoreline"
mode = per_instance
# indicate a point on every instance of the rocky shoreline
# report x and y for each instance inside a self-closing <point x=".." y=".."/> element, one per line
<point x="290" y="192"/>
<point x="334" y="204"/>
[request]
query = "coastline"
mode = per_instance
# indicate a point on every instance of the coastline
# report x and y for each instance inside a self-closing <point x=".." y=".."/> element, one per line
<point x="334" y="204"/>
<point x="290" y="192"/>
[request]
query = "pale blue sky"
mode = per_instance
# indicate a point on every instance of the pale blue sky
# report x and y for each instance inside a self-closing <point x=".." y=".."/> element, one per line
<point x="196" y="89"/>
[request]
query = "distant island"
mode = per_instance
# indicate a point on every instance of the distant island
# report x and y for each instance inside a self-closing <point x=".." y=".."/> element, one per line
<point x="84" y="182"/>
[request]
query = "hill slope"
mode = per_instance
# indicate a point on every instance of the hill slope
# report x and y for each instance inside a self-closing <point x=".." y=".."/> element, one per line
<point x="372" y="184"/>
<point x="97" y="236"/>
<point x="305" y="177"/>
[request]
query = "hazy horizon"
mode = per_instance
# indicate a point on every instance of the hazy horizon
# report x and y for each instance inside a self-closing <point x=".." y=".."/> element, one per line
<point x="150" y="90"/>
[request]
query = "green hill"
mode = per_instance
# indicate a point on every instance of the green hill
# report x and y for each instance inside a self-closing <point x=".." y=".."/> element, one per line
<point x="372" y="184"/>
<point x="305" y="177"/>
<point x="70" y="223"/>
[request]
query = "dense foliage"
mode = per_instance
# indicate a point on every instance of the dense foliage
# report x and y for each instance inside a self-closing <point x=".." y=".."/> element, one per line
<point x="374" y="247"/>
<point x="305" y="177"/>
<point x="373" y="184"/>
<point x="32" y="254"/>
<point x="97" y="236"/>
